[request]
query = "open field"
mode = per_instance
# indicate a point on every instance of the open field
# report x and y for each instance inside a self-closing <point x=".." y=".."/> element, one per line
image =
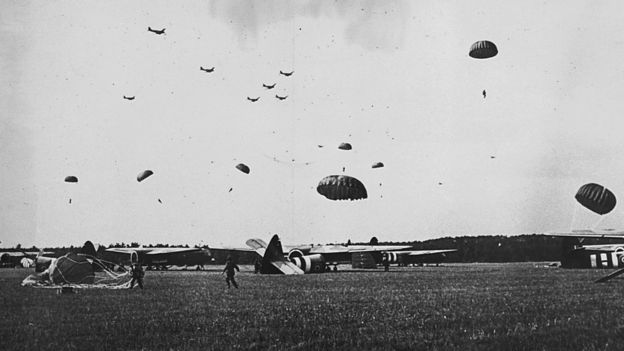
<point x="462" y="307"/>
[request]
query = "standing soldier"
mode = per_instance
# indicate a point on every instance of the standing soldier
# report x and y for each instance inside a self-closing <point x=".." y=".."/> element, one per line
<point x="386" y="262"/>
<point x="229" y="271"/>
<point x="258" y="265"/>
<point x="137" y="275"/>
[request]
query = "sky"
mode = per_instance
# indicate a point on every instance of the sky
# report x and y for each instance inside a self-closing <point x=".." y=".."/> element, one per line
<point x="393" y="78"/>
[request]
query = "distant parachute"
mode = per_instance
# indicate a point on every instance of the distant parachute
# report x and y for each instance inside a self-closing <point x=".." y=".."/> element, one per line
<point x="243" y="168"/>
<point x="143" y="175"/>
<point x="377" y="165"/>
<point x="483" y="49"/>
<point x="341" y="187"/>
<point x="596" y="198"/>
<point x="345" y="146"/>
<point x="71" y="179"/>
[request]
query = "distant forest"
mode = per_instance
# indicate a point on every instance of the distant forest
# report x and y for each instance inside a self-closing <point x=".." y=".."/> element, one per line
<point x="485" y="248"/>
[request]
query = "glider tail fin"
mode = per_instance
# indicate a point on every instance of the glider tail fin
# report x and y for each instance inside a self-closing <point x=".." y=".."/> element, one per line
<point x="274" y="261"/>
<point x="88" y="249"/>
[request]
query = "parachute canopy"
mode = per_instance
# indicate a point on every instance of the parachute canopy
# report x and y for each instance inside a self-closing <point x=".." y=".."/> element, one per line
<point x="243" y="168"/>
<point x="483" y="49"/>
<point x="76" y="270"/>
<point x="143" y="175"/>
<point x="378" y="165"/>
<point x="71" y="179"/>
<point x="345" y="146"/>
<point x="341" y="187"/>
<point x="72" y="269"/>
<point x="596" y="198"/>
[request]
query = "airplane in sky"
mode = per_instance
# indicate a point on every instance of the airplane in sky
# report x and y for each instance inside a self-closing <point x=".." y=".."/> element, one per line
<point x="317" y="259"/>
<point x="604" y="256"/>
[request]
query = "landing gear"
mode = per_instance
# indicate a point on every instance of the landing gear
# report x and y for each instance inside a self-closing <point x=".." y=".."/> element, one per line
<point x="330" y="269"/>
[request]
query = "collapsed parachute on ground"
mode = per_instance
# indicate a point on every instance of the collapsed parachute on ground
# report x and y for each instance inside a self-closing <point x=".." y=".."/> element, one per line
<point x="143" y="175"/>
<point x="72" y="268"/>
<point x="71" y="179"/>
<point x="78" y="271"/>
<point x="483" y="49"/>
<point x="341" y="187"/>
<point x="243" y="168"/>
<point x="377" y="165"/>
<point x="596" y="198"/>
<point x="345" y="146"/>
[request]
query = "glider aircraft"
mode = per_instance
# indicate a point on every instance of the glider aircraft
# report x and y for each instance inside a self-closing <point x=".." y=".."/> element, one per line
<point x="603" y="256"/>
<point x="162" y="257"/>
<point x="601" y="201"/>
<point x="20" y="258"/>
<point x="317" y="259"/>
<point x="157" y="257"/>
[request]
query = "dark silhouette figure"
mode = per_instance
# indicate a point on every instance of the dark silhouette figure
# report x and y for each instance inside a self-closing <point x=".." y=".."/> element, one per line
<point x="128" y="97"/>
<point x="287" y="74"/>
<point x="229" y="272"/>
<point x="137" y="275"/>
<point x="253" y="99"/>
<point x="258" y="265"/>
<point x="209" y="70"/>
<point x="386" y="264"/>
<point x="156" y="31"/>
<point x="484" y="94"/>
<point x="159" y="201"/>
<point x="268" y="86"/>
<point x="281" y="97"/>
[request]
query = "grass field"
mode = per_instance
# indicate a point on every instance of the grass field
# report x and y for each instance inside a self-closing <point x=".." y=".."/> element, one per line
<point x="454" y="307"/>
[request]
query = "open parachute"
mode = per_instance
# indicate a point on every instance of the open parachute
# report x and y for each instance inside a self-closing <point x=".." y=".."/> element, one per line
<point x="71" y="179"/>
<point x="341" y="187"/>
<point x="144" y="175"/>
<point x="345" y="146"/>
<point x="596" y="198"/>
<point x="243" y="168"/>
<point x="78" y="271"/>
<point x="483" y="49"/>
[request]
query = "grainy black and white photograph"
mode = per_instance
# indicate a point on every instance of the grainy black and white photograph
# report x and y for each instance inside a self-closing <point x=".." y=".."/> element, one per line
<point x="311" y="175"/>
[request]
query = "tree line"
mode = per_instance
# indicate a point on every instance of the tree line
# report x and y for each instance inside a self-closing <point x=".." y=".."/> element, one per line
<point x="483" y="248"/>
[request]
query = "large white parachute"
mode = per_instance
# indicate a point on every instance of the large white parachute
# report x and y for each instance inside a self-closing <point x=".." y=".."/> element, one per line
<point x="78" y="271"/>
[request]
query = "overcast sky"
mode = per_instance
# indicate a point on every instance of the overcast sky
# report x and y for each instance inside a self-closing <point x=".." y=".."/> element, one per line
<point x="393" y="78"/>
